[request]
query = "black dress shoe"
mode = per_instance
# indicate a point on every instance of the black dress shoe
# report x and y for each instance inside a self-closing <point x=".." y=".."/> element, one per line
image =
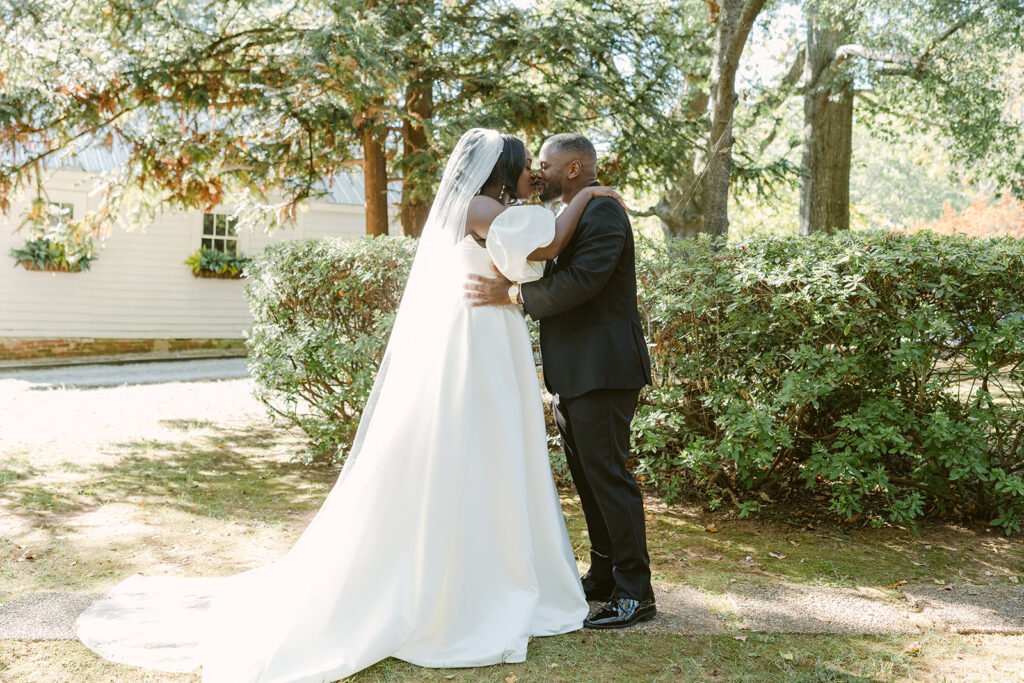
<point x="621" y="612"/>
<point x="596" y="591"/>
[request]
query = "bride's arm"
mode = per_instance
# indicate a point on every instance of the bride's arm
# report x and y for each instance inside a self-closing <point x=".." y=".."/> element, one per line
<point x="565" y="224"/>
<point x="481" y="213"/>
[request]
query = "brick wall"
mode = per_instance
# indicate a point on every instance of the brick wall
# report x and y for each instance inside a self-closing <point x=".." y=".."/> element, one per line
<point x="16" y="348"/>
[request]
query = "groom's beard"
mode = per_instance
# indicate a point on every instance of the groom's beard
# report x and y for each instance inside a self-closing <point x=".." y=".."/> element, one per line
<point x="549" y="192"/>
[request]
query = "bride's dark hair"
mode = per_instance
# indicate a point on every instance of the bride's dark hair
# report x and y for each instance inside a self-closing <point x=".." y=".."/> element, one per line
<point x="509" y="167"/>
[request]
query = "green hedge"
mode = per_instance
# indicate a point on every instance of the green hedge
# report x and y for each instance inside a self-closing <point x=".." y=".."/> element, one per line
<point x="322" y="313"/>
<point x="881" y="370"/>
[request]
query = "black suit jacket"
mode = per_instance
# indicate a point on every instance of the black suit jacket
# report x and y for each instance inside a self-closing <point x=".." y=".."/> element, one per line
<point x="590" y="334"/>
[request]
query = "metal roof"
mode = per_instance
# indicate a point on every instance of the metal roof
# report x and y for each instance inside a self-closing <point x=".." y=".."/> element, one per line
<point x="345" y="187"/>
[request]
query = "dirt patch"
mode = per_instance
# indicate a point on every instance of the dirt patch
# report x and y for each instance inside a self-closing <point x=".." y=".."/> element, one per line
<point x="818" y="609"/>
<point x="968" y="608"/>
<point x="43" y="616"/>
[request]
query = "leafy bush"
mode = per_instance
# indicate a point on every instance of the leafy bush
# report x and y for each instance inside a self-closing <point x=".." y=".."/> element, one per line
<point x="42" y="253"/>
<point x="323" y="311"/>
<point x="223" y="264"/>
<point x="880" y="372"/>
<point x="884" y="369"/>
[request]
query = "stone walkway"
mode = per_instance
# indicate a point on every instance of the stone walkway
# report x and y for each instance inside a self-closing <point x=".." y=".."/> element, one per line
<point x="776" y="608"/>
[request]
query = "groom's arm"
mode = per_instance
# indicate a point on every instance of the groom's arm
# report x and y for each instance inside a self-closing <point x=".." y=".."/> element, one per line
<point x="601" y="236"/>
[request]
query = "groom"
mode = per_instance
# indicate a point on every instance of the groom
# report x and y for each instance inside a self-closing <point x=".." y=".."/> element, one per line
<point x="595" y="363"/>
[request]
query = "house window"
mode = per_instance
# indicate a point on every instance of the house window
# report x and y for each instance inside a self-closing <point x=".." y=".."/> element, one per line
<point x="220" y="233"/>
<point x="61" y="213"/>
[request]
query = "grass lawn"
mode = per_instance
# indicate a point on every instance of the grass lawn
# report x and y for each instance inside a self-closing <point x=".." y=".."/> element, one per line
<point x="632" y="656"/>
<point x="182" y="494"/>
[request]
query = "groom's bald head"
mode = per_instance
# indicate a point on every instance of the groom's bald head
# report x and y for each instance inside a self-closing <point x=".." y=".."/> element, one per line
<point x="567" y="162"/>
<point x="575" y="145"/>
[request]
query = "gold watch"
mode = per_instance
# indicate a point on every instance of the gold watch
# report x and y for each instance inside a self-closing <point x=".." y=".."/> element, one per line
<point x="513" y="293"/>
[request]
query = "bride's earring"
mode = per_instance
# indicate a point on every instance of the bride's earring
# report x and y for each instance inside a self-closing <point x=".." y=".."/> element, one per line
<point x="501" y="197"/>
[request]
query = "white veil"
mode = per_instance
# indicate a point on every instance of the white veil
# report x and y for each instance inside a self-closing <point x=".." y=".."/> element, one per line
<point x="435" y="281"/>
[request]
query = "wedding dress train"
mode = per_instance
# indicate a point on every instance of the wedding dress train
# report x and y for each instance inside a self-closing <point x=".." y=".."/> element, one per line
<point x="442" y="543"/>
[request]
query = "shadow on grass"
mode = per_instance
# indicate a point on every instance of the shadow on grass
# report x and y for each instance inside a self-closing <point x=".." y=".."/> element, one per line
<point x="634" y="656"/>
<point x="15" y="470"/>
<point x="221" y="473"/>
<point x="628" y="657"/>
<point x="707" y="551"/>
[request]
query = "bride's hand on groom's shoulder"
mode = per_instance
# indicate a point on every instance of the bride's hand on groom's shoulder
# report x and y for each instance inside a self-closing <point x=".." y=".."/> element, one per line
<point x="602" y="191"/>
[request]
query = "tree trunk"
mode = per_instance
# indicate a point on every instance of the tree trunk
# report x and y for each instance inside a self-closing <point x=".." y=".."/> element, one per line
<point x="681" y="206"/>
<point x="734" y="23"/>
<point x="419" y="102"/>
<point x="828" y="134"/>
<point x="375" y="181"/>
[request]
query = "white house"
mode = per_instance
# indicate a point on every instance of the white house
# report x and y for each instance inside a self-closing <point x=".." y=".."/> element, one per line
<point x="138" y="294"/>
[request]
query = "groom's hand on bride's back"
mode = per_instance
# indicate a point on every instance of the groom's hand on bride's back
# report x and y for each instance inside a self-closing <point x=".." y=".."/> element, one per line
<point x="487" y="291"/>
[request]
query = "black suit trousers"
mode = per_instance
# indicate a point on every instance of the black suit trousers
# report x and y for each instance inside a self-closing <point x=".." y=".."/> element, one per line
<point x="595" y="433"/>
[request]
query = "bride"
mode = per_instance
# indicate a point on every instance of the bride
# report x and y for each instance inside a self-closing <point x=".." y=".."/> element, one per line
<point x="442" y="542"/>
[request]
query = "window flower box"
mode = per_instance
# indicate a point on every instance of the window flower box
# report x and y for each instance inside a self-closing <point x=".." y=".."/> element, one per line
<point x="46" y="255"/>
<point x="210" y="263"/>
<point x="55" y="245"/>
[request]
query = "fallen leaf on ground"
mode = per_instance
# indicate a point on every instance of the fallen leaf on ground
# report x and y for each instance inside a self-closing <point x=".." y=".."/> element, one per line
<point x="511" y="678"/>
<point x="794" y="544"/>
<point x="939" y="582"/>
<point x="1014" y="579"/>
<point x="898" y="583"/>
<point x="788" y="656"/>
<point x="777" y="556"/>
<point x="917" y="564"/>
<point x="740" y="638"/>
<point x="912" y="649"/>
<point x="711" y="530"/>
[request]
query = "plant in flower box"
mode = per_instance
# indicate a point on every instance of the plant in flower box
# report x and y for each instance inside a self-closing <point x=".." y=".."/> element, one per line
<point x="55" y="244"/>
<point x="211" y="263"/>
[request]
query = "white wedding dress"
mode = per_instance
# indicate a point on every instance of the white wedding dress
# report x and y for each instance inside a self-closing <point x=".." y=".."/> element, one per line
<point x="442" y="542"/>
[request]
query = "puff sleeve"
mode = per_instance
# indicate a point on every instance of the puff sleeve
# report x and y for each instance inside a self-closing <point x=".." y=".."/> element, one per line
<point x="514" y="234"/>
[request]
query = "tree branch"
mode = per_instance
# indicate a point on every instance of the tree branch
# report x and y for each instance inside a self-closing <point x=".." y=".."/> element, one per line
<point x="917" y="64"/>
<point x="845" y="52"/>
<point x="642" y="214"/>
<point x="738" y="41"/>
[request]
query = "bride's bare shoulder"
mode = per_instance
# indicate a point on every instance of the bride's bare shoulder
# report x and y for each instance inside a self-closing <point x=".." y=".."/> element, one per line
<point x="482" y="211"/>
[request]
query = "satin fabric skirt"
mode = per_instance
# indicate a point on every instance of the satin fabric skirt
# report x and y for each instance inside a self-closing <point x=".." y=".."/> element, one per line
<point x="442" y="543"/>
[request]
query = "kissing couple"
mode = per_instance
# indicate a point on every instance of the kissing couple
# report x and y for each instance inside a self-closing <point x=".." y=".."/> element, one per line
<point x="442" y="543"/>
